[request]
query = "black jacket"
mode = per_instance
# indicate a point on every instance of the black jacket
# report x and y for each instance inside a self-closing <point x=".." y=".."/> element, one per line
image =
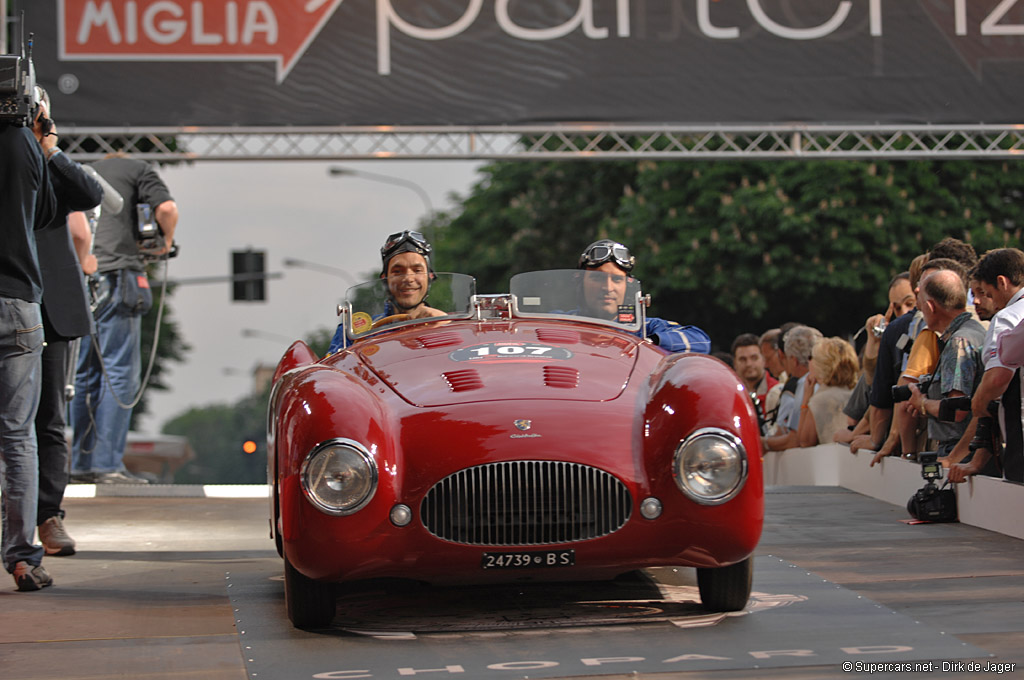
<point x="66" y="311"/>
<point x="26" y="204"/>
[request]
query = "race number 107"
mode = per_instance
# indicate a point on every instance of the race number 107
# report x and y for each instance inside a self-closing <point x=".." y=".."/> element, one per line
<point x="511" y="350"/>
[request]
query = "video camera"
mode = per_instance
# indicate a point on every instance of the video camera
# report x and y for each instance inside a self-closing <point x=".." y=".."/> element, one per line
<point x="19" y="99"/>
<point x="149" y="237"/>
<point x="930" y="502"/>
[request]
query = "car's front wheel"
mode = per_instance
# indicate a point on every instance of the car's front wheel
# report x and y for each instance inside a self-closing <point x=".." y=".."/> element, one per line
<point x="310" y="604"/>
<point x="726" y="589"/>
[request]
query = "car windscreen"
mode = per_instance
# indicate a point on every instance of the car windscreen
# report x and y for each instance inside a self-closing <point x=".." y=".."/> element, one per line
<point x="376" y="305"/>
<point x="611" y="298"/>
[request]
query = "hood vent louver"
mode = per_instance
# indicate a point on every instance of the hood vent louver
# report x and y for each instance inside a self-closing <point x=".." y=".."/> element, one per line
<point x="463" y="381"/>
<point x="559" y="336"/>
<point x="561" y="377"/>
<point x="437" y="340"/>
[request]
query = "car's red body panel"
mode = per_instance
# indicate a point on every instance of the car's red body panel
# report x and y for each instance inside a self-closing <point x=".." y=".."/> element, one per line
<point x="428" y="402"/>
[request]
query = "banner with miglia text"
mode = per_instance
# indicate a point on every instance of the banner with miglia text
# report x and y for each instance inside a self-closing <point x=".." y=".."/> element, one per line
<point x="492" y="62"/>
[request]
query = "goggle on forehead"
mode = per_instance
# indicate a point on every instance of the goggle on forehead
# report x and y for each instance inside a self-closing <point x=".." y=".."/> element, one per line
<point x="598" y="254"/>
<point x="395" y="241"/>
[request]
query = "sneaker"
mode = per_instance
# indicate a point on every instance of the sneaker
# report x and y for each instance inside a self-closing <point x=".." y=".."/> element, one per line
<point x="55" y="539"/>
<point x="30" y="577"/>
<point x="83" y="478"/>
<point x="119" y="477"/>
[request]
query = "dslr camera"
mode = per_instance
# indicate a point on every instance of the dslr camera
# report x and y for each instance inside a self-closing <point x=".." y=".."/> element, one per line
<point x="900" y="393"/>
<point x="988" y="429"/>
<point x="932" y="503"/>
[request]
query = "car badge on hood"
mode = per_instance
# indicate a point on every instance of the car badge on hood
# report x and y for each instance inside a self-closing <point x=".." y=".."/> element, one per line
<point x="523" y="424"/>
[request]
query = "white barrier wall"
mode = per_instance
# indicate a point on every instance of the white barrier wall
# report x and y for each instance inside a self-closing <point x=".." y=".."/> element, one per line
<point x="985" y="502"/>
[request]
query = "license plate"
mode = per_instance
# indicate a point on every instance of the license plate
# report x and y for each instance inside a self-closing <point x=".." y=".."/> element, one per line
<point x="533" y="559"/>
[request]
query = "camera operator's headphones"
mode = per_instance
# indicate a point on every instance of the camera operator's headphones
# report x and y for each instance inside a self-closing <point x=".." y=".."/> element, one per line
<point x="45" y="122"/>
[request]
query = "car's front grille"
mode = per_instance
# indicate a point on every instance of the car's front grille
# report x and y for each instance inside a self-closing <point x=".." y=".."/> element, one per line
<point x="526" y="503"/>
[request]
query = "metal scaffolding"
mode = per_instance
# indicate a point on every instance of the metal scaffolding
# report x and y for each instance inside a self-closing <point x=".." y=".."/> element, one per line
<point x="561" y="142"/>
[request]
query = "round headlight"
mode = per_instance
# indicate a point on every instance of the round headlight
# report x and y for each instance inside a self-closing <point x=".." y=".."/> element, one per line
<point x="710" y="466"/>
<point x="339" y="477"/>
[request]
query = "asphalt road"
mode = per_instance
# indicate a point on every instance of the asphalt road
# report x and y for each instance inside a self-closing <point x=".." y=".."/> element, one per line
<point x="172" y="587"/>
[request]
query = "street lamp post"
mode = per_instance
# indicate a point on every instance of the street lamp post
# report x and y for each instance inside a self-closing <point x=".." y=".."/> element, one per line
<point x="265" y="335"/>
<point x="339" y="171"/>
<point x="316" y="266"/>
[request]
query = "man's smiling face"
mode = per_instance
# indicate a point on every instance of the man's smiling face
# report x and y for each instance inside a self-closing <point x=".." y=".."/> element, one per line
<point x="408" y="277"/>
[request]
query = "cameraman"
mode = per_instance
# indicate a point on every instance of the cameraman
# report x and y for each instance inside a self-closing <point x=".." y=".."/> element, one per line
<point x="100" y="414"/>
<point x="942" y="300"/>
<point x="28" y="204"/>
<point x="1000" y="276"/>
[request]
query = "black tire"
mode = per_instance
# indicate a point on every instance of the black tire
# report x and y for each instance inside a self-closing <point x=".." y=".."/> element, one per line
<point x="726" y="589"/>
<point x="310" y="604"/>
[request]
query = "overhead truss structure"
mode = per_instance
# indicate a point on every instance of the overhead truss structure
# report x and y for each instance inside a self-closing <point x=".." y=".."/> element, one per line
<point x="552" y="142"/>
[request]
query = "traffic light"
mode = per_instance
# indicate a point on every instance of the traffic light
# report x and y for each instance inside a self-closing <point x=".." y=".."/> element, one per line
<point x="249" y="446"/>
<point x="248" y="275"/>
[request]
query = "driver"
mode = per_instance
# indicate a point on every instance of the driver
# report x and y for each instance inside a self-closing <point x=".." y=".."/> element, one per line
<point x="405" y="257"/>
<point x="405" y="265"/>
<point x="608" y="264"/>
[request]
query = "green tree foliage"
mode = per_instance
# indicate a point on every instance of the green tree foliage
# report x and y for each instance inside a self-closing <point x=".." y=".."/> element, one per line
<point x="737" y="246"/>
<point x="529" y="216"/>
<point x="218" y="431"/>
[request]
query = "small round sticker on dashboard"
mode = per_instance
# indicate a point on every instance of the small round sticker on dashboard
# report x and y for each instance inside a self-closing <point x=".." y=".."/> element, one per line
<point x="361" y="322"/>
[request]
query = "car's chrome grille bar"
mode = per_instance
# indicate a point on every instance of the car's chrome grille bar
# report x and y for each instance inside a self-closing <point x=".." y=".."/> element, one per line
<point x="526" y="503"/>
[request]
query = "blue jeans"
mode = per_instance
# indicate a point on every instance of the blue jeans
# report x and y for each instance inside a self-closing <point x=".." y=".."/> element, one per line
<point x="99" y="422"/>
<point x="21" y="351"/>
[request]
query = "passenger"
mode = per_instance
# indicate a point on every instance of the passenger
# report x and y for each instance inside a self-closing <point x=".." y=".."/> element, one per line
<point x="608" y="265"/>
<point x="405" y="265"/>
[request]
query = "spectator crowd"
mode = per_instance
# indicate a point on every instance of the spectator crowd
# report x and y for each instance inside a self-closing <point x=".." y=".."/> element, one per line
<point x="938" y="370"/>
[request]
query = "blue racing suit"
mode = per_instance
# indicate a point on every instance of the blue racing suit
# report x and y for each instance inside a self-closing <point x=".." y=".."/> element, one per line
<point x="672" y="337"/>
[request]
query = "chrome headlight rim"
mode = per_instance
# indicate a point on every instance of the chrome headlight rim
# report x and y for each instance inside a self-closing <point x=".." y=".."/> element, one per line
<point x="368" y="460"/>
<point x="716" y="433"/>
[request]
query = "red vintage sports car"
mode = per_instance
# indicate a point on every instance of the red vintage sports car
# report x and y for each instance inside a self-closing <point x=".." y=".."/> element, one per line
<point x="513" y="439"/>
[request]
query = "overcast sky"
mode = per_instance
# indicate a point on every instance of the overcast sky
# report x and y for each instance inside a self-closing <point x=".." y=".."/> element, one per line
<point x="291" y="209"/>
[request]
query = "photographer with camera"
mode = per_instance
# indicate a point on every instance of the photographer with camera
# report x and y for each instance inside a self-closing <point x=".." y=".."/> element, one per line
<point x="101" y="413"/>
<point x="1000" y="276"/>
<point x="956" y="371"/>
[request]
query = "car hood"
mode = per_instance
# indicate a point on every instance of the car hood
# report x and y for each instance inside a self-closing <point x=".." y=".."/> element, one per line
<point x="467" y="362"/>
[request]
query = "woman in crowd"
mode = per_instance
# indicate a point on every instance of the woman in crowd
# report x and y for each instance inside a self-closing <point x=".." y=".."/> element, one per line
<point x="830" y="380"/>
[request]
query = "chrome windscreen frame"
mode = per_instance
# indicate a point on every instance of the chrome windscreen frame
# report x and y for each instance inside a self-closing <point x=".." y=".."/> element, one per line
<point x="639" y="303"/>
<point x="347" y="313"/>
